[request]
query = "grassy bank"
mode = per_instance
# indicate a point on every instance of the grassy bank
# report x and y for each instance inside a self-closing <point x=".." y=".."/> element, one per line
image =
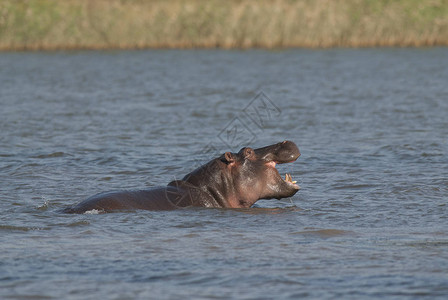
<point x="106" y="24"/>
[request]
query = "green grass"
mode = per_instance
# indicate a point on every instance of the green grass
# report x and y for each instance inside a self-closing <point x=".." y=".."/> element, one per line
<point x="127" y="24"/>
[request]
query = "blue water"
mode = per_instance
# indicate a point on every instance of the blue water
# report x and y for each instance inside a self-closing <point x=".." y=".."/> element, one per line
<point x="370" y="221"/>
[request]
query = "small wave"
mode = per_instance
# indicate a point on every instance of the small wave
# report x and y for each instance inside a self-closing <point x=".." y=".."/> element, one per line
<point x="79" y="223"/>
<point x="94" y="212"/>
<point x="427" y="243"/>
<point x="51" y="155"/>
<point x="192" y="224"/>
<point x="324" y="233"/>
<point x="71" y="224"/>
<point x="43" y="206"/>
<point x="19" y="228"/>
<point x="427" y="154"/>
<point x="354" y="186"/>
<point x="268" y="210"/>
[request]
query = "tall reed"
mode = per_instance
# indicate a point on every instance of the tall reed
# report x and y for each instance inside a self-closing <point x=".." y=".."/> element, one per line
<point x="106" y="24"/>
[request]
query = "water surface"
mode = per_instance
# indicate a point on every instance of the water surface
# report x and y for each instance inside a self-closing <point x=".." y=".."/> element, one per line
<point x="370" y="221"/>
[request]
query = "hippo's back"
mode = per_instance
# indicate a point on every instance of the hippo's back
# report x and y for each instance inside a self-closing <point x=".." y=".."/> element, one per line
<point x="150" y="199"/>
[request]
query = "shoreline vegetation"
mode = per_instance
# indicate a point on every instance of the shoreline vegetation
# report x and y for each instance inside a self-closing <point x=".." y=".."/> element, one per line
<point x="240" y="24"/>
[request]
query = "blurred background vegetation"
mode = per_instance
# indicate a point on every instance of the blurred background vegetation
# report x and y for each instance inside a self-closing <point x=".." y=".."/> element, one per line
<point x="131" y="24"/>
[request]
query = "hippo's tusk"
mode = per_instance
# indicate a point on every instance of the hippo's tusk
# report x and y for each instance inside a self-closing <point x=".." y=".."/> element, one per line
<point x="289" y="178"/>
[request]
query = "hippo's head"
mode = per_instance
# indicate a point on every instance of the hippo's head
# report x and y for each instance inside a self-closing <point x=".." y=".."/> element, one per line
<point x="240" y="179"/>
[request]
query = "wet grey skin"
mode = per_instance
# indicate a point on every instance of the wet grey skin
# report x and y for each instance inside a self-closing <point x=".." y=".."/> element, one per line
<point x="233" y="180"/>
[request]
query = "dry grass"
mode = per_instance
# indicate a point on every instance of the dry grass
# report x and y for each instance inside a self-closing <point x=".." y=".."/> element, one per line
<point x="123" y="24"/>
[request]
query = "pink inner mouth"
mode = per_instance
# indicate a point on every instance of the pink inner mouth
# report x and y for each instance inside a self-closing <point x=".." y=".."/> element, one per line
<point x="271" y="164"/>
<point x="290" y="181"/>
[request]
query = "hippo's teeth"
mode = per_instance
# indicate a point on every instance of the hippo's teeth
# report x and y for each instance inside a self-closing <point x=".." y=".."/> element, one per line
<point x="289" y="178"/>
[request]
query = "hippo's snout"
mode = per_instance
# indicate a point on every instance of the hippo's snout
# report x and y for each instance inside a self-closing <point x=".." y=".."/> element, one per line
<point x="284" y="152"/>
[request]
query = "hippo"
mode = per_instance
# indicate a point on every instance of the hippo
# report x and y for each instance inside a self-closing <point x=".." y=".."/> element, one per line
<point x="232" y="180"/>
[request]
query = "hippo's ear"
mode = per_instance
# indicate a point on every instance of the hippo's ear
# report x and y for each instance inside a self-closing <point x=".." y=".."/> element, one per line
<point x="228" y="157"/>
<point x="248" y="153"/>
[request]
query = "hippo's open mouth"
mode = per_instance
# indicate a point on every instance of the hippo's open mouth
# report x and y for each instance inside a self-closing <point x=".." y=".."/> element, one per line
<point x="280" y="153"/>
<point x="288" y="178"/>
